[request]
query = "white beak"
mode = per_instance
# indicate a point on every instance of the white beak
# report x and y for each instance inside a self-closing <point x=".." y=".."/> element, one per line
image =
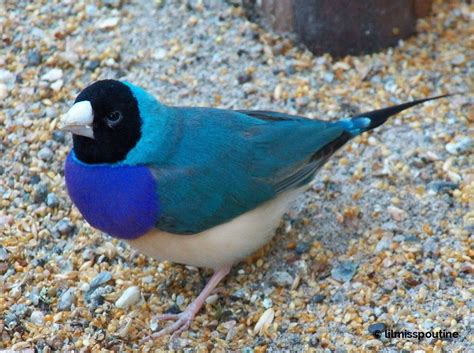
<point x="79" y="119"/>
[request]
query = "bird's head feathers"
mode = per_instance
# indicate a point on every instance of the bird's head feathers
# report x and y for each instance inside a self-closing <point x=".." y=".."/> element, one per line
<point x="107" y="120"/>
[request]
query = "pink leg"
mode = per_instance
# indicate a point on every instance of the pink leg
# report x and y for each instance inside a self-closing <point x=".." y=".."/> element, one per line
<point x="183" y="320"/>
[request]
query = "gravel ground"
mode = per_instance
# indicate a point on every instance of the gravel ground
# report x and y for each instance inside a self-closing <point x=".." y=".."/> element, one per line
<point x="383" y="239"/>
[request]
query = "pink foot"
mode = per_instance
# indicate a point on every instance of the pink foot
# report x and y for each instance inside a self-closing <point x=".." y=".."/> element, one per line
<point x="184" y="319"/>
<point x="181" y="323"/>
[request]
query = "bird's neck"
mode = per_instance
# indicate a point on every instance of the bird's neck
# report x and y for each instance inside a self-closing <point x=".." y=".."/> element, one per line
<point x="158" y="132"/>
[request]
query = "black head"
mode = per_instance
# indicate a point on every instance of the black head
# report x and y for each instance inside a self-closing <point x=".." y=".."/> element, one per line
<point x="116" y="123"/>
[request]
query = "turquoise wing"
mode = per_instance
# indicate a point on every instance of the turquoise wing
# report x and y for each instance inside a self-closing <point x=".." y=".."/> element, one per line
<point x="226" y="163"/>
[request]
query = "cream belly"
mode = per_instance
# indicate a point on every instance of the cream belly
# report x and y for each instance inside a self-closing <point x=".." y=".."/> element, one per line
<point x="222" y="245"/>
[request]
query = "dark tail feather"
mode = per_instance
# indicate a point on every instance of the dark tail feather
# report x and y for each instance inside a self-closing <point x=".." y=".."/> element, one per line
<point x="378" y="117"/>
<point x="364" y="122"/>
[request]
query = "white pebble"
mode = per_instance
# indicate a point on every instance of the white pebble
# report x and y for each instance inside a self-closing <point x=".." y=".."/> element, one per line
<point x="37" y="317"/>
<point x="108" y="23"/>
<point x="52" y="75"/>
<point x="396" y="213"/>
<point x="212" y="299"/>
<point x="458" y="59"/>
<point x="70" y="57"/>
<point x="160" y="54"/>
<point x="267" y="303"/>
<point x="45" y="154"/>
<point x="84" y="287"/>
<point x="56" y="86"/>
<point x="464" y="144"/>
<point x="3" y="91"/>
<point x="129" y="297"/>
<point x="110" y="62"/>
<point x="372" y="141"/>
<point x="15" y="292"/>
<point x="265" y="321"/>
<point x="7" y="77"/>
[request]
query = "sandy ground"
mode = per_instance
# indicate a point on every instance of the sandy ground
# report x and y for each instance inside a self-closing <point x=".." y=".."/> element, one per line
<point x="382" y="241"/>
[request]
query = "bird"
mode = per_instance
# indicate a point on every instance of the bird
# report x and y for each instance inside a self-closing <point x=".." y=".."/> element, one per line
<point x="204" y="187"/>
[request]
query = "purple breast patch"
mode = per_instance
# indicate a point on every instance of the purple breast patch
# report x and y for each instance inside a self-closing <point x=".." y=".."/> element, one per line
<point x="119" y="200"/>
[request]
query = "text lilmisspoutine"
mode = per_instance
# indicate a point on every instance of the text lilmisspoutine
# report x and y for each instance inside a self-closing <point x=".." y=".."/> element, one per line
<point x="420" y="335"/>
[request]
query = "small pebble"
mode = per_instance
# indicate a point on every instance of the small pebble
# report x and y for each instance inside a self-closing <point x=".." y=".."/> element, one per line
<point x="160" y="53"/>
<point x="92" y="65"/>
<point x="344" y="271"/>
<point x="239" y="294"/>
<point x="38" y="33"/>
<point x="302" y="101"/>
<point x="267" y="303"/>
<point x="129" y="297"/>
<point x="302" y="247"/>
<point x="244" y="78"/>
<point x="173" y="309"/>
<point x="52" y="75"/>
<point x="66" y="299"/>
<point x="40" y="192"/>
<point x="52" y="200"/>
<point x="35" y="179"/>
<point x="100" y="279"/>
<point x="46" y="154"/>
<point x="64" y="227"/>
<point x="15" y="313"/>
<point x="318" y="298"/>
<point x="88" y="254"/>
<point x="339" y="297"/>
<point x="463" y="145"/>
<point x="389" y="284"/>
<point x="377" y="329"/>
<point x="7" y="77"/>
<point x="57" y="85"/>
<point x="290" y="70"/>
<point x="108" y="23"/>
<point x="458" y="59"/>
<point x="3" y="254"/>
<point x="439" y="186"/>
<point x="383" y="244"/>
<point x="33" y="58"/>
<point x="3" y="91"/>
<point x="180" y="300"/>
<point x="397" y="213"/>
<point x="328" y="77"/>
<point x="95" y="297"/>
<point x="34" y="295"/>
<point x="212" y="299"/>
<point x="281" y="279"/>
<point x="59" y="136"/>
<point x="264" y="321"/>
<point x="430" y="246"/>
<point x="37" y="317"/>
<point x="91" y="10"/>
<point x="3" y="268"/>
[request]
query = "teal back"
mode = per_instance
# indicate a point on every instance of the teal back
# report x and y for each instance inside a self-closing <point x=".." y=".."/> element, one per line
<point x="213" y="165"/>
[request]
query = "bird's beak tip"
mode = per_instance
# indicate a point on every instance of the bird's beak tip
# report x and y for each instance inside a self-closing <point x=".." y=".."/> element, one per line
<point x="79" y="119"/>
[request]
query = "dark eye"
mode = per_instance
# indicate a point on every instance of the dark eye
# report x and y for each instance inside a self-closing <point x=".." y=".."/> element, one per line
<point x="114" y="117"/>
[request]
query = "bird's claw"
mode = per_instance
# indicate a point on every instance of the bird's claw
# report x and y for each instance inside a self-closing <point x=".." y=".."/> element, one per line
<point x="181" y="324"/>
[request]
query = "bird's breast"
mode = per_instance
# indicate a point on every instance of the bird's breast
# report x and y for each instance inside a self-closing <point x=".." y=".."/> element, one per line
<point x="120" y="200"/>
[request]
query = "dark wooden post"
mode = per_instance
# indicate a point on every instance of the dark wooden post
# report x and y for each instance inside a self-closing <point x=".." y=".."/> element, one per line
<point x="342" y="27"/>
<point x="281" y="14"/>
